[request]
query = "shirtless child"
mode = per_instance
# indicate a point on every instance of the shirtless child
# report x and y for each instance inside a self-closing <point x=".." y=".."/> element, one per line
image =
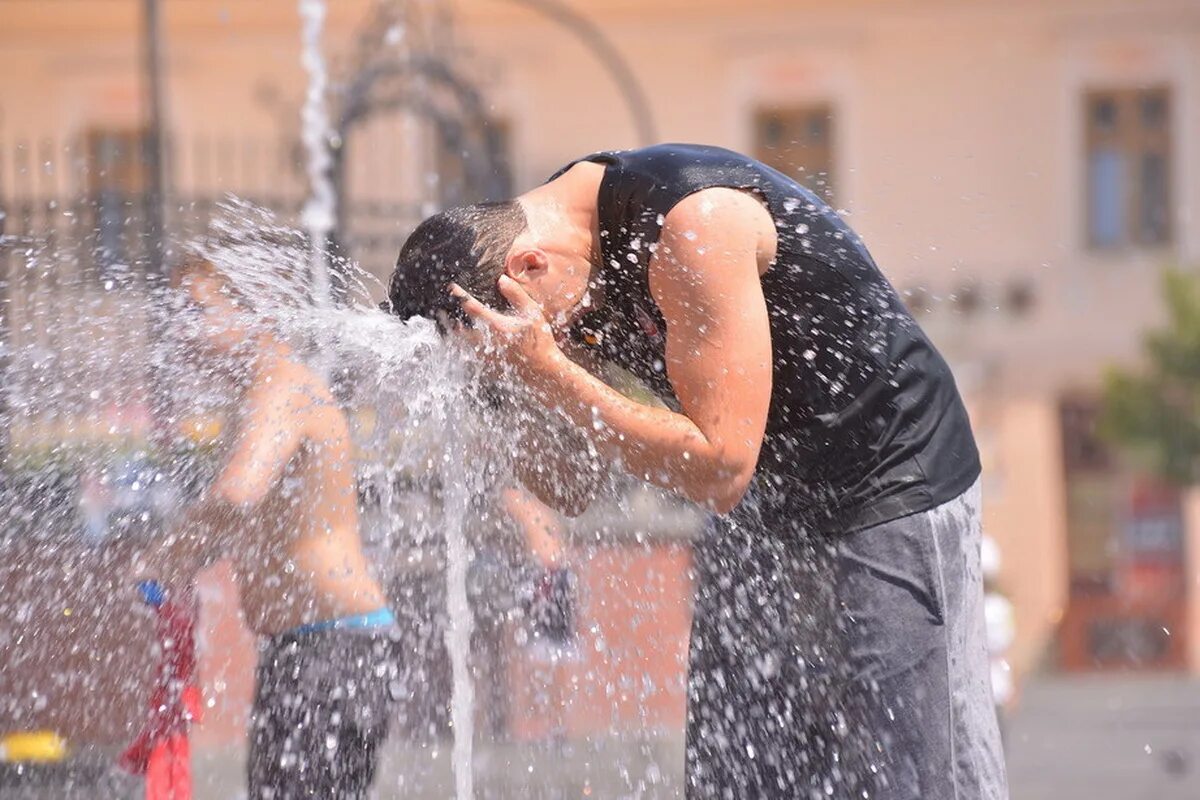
<point x="284" y="510"/>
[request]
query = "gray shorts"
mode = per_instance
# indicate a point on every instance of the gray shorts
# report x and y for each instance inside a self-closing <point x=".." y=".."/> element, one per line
<point x="323" y="703"/>
<point x="849" y="666"/>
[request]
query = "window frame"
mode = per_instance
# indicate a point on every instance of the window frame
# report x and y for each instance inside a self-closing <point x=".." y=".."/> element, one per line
<point x="821" y="179"/>
<point x="1133" y="141"/>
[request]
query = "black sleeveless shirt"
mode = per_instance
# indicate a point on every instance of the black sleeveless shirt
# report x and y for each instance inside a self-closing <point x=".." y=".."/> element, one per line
<point x="865" y="422"/>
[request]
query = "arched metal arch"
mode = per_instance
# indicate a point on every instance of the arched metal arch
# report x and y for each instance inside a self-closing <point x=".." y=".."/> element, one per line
<point x="416" y="84"/>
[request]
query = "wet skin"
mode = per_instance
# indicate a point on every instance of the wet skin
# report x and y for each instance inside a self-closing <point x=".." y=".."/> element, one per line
<point x="284" y="508"/>
<point x="705" y="277"/>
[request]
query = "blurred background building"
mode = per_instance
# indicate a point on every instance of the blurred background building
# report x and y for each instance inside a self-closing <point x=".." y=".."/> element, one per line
<point x="1022" y="171"/>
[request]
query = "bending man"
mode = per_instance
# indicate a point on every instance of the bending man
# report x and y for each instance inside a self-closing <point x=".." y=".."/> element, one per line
<point x="838" y="645"/>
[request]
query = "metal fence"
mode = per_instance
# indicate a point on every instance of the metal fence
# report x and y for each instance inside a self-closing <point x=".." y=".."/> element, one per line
<point x="74" y="253"/>
<point x="87" y="195"/>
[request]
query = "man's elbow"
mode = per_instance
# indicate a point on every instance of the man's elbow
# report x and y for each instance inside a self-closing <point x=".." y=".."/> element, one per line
<point x="726" y="501"/>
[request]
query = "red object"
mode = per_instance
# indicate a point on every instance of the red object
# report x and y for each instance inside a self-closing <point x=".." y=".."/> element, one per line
<point x="161" y="751"/>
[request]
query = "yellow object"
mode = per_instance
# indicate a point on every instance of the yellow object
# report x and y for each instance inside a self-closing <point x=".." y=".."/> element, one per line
<point x="33" y="746"/>
<point x="202" y="429"/>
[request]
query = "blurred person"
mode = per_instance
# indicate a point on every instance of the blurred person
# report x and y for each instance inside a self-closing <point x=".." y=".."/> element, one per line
<point x="283" y="509"/>
<point x="521" y="591"/>
<point x="838" y="644"/>
<point x="549" y="601"/>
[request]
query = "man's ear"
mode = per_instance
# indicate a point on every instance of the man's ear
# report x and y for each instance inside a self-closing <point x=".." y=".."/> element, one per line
<point x="526" y="264"/>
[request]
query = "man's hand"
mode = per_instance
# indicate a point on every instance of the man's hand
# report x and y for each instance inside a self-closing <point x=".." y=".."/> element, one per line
<point x="706" y="280"/>
<point x="523" y="339"/>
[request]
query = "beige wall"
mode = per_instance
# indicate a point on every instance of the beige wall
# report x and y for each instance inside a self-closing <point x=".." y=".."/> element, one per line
<point x="959" y="141"/>
<point x="958" y="124"/>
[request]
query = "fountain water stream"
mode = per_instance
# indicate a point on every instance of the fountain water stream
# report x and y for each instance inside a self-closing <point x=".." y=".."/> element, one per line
<point x="318" y="220"/>
<point x="320" y="212"/>
<point x="458" y="633"/>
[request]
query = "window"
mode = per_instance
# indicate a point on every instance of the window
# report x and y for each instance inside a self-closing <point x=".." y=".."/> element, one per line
<point x="798" y="142"/>
<point x="1128" y="167"/>
<point x="1083" y="449"/>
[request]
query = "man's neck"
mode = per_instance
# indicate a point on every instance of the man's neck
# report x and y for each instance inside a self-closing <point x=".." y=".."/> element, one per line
<point x="564" y="211"/>
<point x="563" y="216"/>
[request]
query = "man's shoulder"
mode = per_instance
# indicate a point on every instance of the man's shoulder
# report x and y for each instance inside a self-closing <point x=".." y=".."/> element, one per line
<point x="714" y="216"/>
<point x="715" y="203"/>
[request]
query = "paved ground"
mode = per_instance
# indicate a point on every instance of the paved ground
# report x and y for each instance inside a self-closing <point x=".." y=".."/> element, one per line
<point x="1092" y="738"/>
<point x="608" y="769"/>
<point x="1122" y="738"/>
<point x="1098" y="738"/>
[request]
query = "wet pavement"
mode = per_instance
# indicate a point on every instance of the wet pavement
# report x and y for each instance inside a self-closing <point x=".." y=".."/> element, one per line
<point x="1094" y="738"/>
<point x="1106" y="738"/>
<point x="648" y="768"/>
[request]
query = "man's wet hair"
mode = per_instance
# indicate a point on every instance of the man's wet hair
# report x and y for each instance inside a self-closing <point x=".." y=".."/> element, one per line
<point x="466" y="245"/>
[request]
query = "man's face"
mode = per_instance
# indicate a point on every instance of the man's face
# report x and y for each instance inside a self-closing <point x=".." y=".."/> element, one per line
<point x="557" y="281"/>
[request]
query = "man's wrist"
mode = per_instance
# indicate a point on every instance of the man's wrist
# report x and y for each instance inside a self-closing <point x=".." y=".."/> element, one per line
<point x="546" y="374"/>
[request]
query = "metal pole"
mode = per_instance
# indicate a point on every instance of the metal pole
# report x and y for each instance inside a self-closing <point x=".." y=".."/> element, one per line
<point x="153" y="148"/>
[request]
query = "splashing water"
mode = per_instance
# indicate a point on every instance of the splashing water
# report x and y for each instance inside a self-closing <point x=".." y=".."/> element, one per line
<point x="319" y="220"/>
<point x="404" y="370"/>
<point x="83" y="420"/>
<point x="83" y="423"/>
